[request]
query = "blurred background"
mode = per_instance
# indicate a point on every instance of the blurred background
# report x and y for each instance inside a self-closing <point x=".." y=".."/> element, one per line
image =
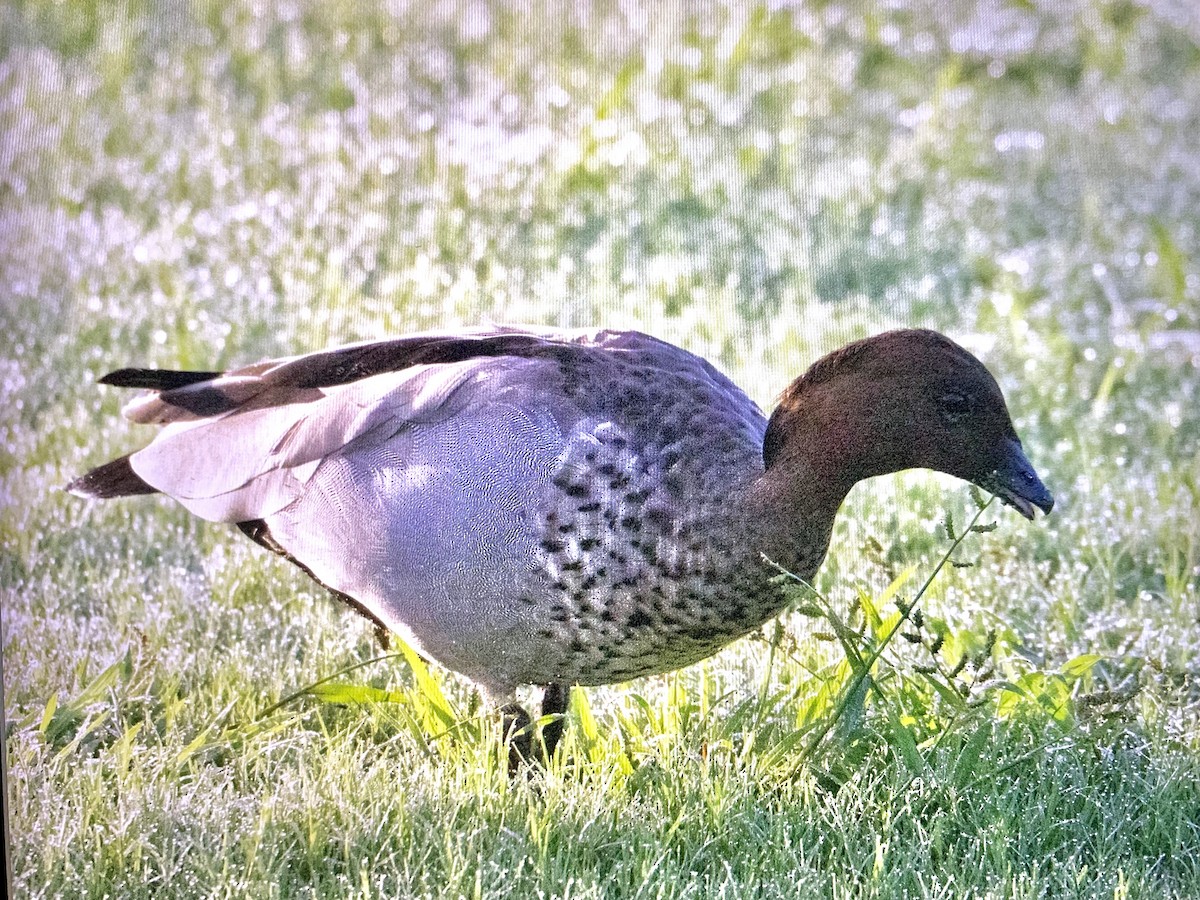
<point x="202" y="184"/>
<point x="195" y="183"/>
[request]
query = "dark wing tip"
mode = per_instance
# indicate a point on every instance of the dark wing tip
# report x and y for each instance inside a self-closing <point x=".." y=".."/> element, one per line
<point x="155" y="379"/>
<point x="113" y="479"/>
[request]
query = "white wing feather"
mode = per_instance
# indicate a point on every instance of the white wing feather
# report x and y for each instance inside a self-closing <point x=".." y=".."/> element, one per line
<point x="250" y="463"/>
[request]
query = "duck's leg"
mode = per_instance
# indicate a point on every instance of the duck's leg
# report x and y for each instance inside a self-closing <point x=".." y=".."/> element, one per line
<point x="555" y="700"/>
<point x="515" y="720"/>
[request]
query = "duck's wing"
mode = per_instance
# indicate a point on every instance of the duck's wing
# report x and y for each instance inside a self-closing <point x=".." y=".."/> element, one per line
<point x="188" y="396"/>
<point x="240" y="445"/>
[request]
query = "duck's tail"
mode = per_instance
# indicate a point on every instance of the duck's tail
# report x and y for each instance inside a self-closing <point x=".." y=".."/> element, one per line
<point x="117" y="478"/>
<point x="113" y="479"/>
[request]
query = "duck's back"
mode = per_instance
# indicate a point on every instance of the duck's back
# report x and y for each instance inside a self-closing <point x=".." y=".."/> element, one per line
<point x="525" y="507"/>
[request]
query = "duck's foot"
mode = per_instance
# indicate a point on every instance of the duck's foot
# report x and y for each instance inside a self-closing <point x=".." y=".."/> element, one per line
<point x="523" y="746"/>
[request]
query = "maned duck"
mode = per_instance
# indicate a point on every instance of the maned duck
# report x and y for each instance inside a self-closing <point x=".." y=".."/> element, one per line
<point x="558" y="508"/>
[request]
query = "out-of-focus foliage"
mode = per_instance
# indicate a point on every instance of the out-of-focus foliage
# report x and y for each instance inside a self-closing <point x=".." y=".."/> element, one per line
<point x="192" y="184"/>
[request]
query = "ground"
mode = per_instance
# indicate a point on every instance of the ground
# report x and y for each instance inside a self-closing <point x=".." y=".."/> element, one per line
<point x="200" y="185"/>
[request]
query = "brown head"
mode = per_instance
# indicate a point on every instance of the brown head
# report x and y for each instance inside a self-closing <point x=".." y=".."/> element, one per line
<point x="901" y="400"/>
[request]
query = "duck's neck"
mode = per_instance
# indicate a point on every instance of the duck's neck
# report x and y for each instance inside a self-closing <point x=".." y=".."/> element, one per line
<point x="790" y="512"/>
<point x="818" y="444"/>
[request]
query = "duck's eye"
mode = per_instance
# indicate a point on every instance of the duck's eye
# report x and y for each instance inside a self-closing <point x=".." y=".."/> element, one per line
<point x="953" y="405"/>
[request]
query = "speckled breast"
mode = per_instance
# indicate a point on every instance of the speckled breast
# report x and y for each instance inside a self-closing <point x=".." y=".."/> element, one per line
<point x="643" y="545"/>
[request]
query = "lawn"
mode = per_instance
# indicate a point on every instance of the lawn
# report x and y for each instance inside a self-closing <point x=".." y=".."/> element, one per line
<point x="197" y="185"/>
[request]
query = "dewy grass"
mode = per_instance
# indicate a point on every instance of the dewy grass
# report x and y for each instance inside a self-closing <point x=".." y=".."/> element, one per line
<point x="862" y="654"/>
<point x="202" y="186"/>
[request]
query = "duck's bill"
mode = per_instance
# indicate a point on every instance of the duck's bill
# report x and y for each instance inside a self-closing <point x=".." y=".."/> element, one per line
<point x="1016" y="483"/>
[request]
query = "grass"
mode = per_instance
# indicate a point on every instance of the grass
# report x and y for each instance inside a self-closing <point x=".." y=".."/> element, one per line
<point x="196" y="185"/>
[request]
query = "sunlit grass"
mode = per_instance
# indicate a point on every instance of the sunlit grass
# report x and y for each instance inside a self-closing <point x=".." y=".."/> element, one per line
<point x="201" y="185"/>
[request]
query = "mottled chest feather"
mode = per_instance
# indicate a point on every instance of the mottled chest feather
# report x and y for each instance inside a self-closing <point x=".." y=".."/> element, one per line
<point x="649" y="558"/>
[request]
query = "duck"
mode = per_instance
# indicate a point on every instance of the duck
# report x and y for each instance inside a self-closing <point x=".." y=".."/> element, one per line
<point x="531" y="506"/>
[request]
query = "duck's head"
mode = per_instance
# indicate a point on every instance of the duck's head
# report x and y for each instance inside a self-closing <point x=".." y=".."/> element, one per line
<point x="901" y="400"/>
